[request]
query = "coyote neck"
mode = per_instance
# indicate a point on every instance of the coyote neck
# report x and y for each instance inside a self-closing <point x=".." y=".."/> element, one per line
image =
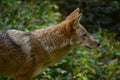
<point x="53" y="38"/>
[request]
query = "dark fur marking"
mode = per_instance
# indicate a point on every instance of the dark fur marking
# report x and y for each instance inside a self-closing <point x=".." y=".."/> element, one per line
<point x="4" y="36"/>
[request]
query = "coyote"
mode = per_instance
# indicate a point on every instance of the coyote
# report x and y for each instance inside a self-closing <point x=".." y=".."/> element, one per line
<point x="23" y="55"/>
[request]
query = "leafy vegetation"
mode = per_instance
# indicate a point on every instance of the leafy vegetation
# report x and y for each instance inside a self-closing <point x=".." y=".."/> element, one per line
<point x="81" y="63"/>
<point x="21" y="15"/>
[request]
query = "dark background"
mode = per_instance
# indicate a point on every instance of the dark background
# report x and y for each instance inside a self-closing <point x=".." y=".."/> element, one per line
<point x="97" y="13"/>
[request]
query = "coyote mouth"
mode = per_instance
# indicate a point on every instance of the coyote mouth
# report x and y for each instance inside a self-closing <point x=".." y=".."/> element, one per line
<point x="90" y="47"/>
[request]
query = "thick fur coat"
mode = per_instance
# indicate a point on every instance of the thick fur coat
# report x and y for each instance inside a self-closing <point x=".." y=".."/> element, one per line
<point x="24" y="55"/>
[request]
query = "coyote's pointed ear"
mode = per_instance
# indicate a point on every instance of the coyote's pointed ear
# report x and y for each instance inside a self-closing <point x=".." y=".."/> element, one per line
<point x="76" y="21"/>
<point x="73" y="14"/>
<point x="73" y="24"/>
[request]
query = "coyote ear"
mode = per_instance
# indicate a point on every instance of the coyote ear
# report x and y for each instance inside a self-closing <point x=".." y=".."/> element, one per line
<point x="76" y="20"/>
<point x="73" y="14"/>
<point x="73" y="24"/>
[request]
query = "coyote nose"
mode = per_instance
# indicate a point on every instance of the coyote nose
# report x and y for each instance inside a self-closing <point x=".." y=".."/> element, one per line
<point x="98" y="44"/>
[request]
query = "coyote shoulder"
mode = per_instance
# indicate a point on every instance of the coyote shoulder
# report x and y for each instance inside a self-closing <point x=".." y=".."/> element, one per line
<point x="24" y="55"/>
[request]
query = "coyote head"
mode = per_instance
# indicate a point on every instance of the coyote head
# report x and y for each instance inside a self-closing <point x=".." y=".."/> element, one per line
<point x="78" y="33"/>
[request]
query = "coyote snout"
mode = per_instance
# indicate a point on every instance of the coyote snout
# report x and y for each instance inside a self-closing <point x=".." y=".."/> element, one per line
<point x="89" y="42"/>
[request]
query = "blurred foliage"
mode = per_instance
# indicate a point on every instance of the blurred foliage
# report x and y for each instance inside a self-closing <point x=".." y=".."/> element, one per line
<point x="82" y="63"/>
<point x="21" y="15"/>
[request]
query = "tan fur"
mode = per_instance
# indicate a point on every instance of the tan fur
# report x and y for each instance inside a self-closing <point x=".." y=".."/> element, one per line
<point x="27" y="54"/>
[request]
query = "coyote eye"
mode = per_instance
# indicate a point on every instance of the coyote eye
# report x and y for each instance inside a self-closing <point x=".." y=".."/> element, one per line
<point x="84" y="35"/>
